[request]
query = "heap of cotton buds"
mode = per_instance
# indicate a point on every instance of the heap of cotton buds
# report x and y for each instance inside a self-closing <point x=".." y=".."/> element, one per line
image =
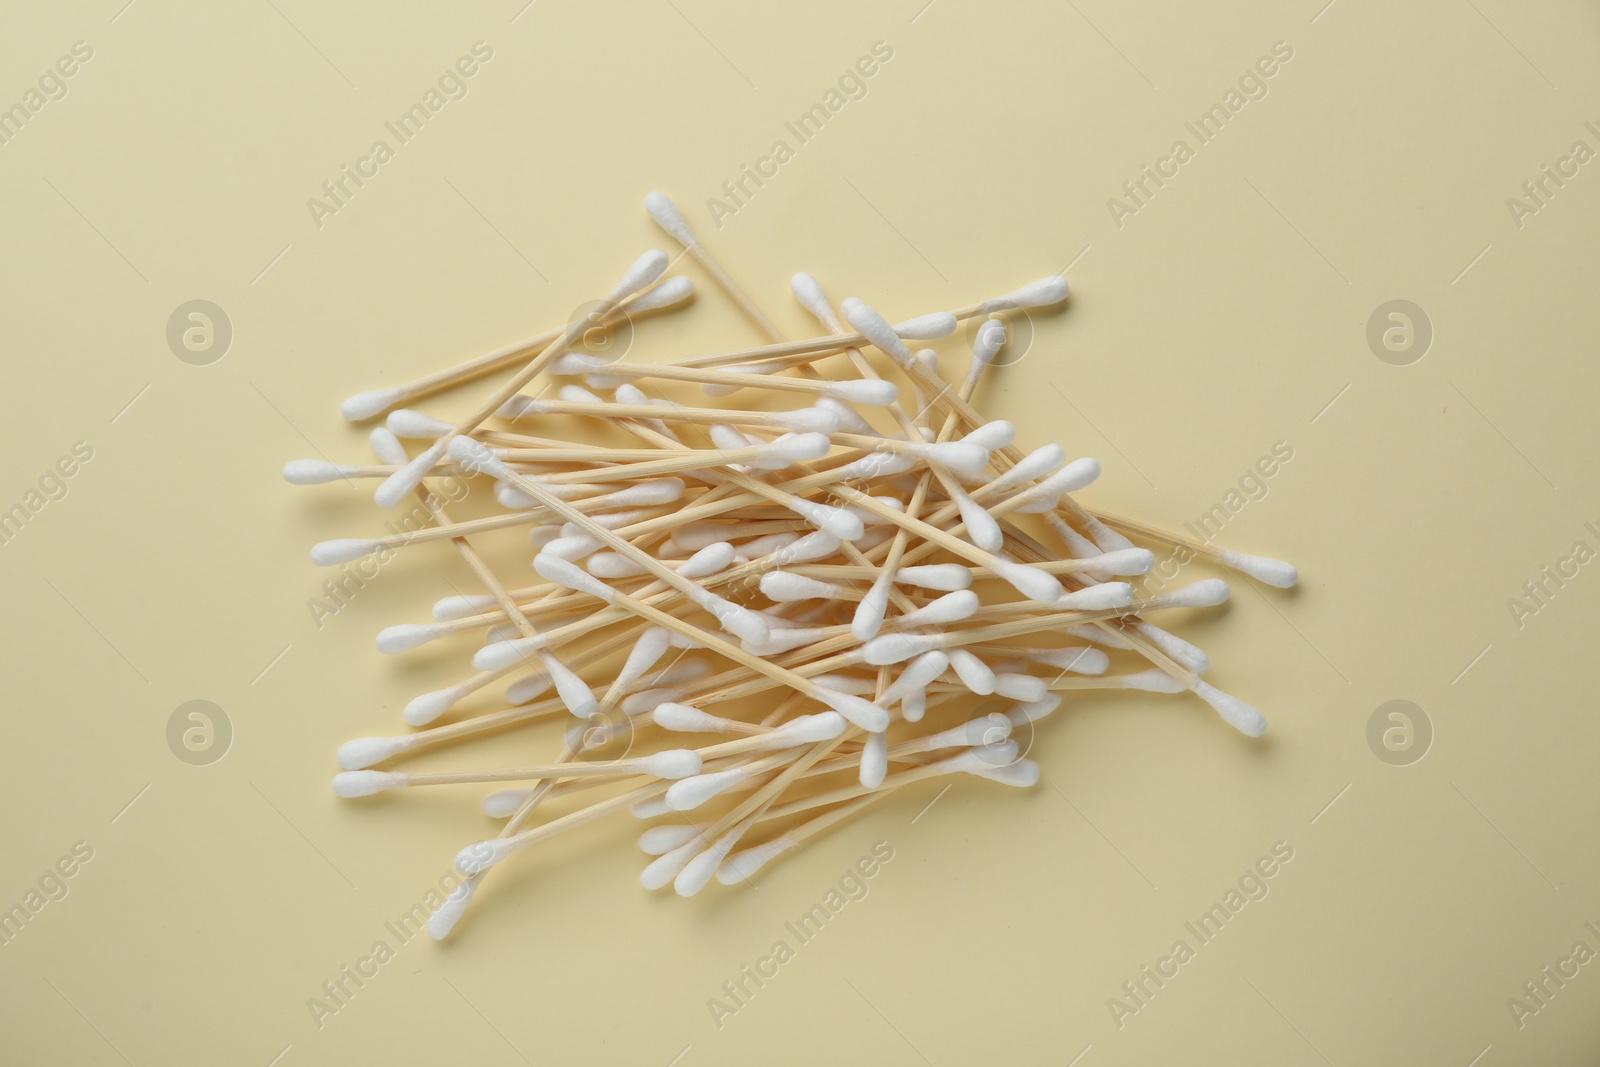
<point x="829" y="575"/>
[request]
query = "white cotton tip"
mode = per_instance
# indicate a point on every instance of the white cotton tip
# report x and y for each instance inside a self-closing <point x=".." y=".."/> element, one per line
<point x="503" y="803"/>
<point x="409" y="635"/>
<point x="475" y="456"/>
<point x="517" y="406"/>
<point x="528" y="686"/>
<point x="365" y="783"/>
<point x="669" y="218"/>
<point x="791" y="448"/>
<point x="850" y="420"/>
<point x="386" y="446"/>
<point x="712" y="559"/>
<point x="613" y="520"/>
<point x="1036" y="464"/>
<point x="929" y="327"/>
<point x="689" y="793"/>
<point x="1152" y="681"/>
<point x="1273" y="572"/>
<point x="362" y="406"/>
<point x="973" y="672"/>
<point x="992" y="435"/>
<point x="694" y="536"/>
<point x="740" y="866"/>
<point x="739" y="621"/>
<point x="1103" y="597"/>
<point x="1123" y="561"/>
<point x="502" y="654"/>
<point x="806" y="729"/>
<point x="917" y="674"/>
<point x="871" y="325"/>
<point x="1207" y="592"/>
<point x="1076" y="658"/>
<point x="652" y="644"/>
<point x="649" y="808"/>
<point x="1034" y="710"/>
<point x="782" y="640"/>
<point x="512" y="498"/>
<point x="646" y="494"/>
<point x="859" y="712"/>
<point x="668" y="292"/>
<point x="659" y="840"/>
<point x="980" y="758"/>
<point x="1035" y="584"/>
<point x="427" y="707"/>
<point x="874" y="760"/>
<point x="672" y="764"/>
<point x="952" y="607"/>
<point x="1024" y="687"/>
<point x="808" y="292"/>
<point x="697" y="873"/>
<point x="645" y="270"/>
<point x="808" y="420"/>
<point x="573" y="691"/>
<point x="1024" y="774"/>
<point x="408" y="423"/>
<point x="874" y="392"/>
<point x="913" y="705"/>
<point x="785" y="586"/>
<point x="982" y="530"/>
<point x="575" y="363"/>
<point x="315" y="471"/>
<point x="1069" y="479"/>
<point x="481" y="855"/>
<point x="688" y="720"/>
<point x="1104" y="536"/>
<point x="570" y="547"/>
<point x="1078" y="546"/>
<point x="681" y="672"/>
<point x="987" y="343"/>
<point x="728" y="438"/>
<point x="1235" y="712"/>
<point x="1037" y="294"/>
<point x="819" y="544"/>
<point x="1187" y="655"/>
<point x="867" y="619"/>
<point x="946" y="577"/>
<point x="612" y="565"/>
<point x="645" y="700"/>
<point x="343" y="550"/>
<point x="991" y="729"/>
<point x="898" y="647"/>
<point x="444" y="918"/>
<point x="539" y="536"/>
<point x="504" y="631"/>
<point x="565" y="573"/>
<point x="666" y="866"/>
<point x="876" y="465"/>
<point x="762" y="547"/>
<point x="843" y="524"/>
<point x="362" y="752"/>
<point x="960" y="457"/>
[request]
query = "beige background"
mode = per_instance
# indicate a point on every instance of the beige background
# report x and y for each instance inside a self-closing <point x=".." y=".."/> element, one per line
<point x="1225" y="316"/>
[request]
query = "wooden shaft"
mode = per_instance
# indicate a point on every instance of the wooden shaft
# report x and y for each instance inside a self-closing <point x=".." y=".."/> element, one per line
<point x="669" y="372"/>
